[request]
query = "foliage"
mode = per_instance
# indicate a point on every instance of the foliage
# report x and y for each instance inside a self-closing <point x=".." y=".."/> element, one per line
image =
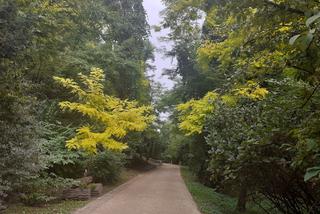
<point x="41" y="190"/>
<point x="263" y="57"/>
<point x="193" y="113"/>
<point x="106" y="166"/>
<point x="252" y="90"/>
<point x="40" y="39"/>
<point x="114" y="117"/>
<point x="176" y="144"/>
<point x="64" y="207"/>
<point x="312" y="173"/>
<point x="209" y="201"/>
<point x="229" y="129"/>
<point x="53" y="146"/>
<point x="19" y="143"/>
<point x="35" y="199"/>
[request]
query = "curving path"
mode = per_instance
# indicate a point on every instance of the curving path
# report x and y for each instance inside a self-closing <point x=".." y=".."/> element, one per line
<point x="161" y="191"/>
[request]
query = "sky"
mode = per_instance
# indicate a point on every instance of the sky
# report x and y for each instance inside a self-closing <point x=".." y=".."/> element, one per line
<point x="153" y="9"/>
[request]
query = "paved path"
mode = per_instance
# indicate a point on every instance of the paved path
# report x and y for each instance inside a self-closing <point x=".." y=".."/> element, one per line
<point x="161" y="191"/>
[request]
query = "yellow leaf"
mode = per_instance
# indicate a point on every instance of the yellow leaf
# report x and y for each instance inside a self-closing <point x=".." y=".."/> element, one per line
<point x="112" y="116"/>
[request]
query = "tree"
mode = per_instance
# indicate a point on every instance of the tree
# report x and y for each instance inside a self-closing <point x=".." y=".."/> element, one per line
<point x="40" y="39"/>
<point x="193" y="113"/>
<point x="266" y="51"/>
<point x="112" y="118"/>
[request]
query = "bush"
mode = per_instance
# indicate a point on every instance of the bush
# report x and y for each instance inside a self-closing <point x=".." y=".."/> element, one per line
<point x="19" y="142"/>
<point x="4" y="187"/>
<point x="35" y="199"/>
<point x="41" y="190"/>
<point x="106" y="167"/>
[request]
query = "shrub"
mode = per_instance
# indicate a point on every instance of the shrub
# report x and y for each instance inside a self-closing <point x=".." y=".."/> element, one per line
<point x="19" y="147"/>
<point x="55" y="156"/>
<point x="44" y="189"/>
<point x="106" y="167"/>
<point x="35" y="199"/>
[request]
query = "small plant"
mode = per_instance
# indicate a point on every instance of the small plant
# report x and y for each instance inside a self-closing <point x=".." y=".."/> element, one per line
<point x="83" y="186"/>
<point x="106" y="167"/>
<point x="42" y="190"/>
<point x="35" y="199"/>
<point x="92" y="186"/>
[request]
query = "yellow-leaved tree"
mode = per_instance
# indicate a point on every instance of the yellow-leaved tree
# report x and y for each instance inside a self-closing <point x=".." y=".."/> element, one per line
<point x="192" y="114"/>
<point x="252" y="90"/>
<point x="111" y="118"/>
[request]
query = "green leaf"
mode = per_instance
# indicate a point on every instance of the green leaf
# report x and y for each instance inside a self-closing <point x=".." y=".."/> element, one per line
<point x="312" y="31"/>
<point x="290" y="72"/>
<point x="312" y="144"/>
<point x="309" y="38"/>
<point x="304" y="41"/>
<point x="293" y="39"/>
<point x="311" y="173"/>
<point x="312" y="19"/>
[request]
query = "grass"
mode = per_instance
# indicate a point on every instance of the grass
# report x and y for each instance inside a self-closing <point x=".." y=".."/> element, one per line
<point x="211" y="202"/>
<point x="64" y="207"/>
<point x="67" y="206"/>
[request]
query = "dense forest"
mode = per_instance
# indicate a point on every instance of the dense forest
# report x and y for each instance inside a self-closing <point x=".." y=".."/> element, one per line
<point x="74" y="93"/>
<point x="76" y="97"/>
<point x="245" y="111"/>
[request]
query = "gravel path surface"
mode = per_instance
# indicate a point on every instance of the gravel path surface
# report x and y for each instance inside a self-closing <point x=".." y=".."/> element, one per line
<point x="161" y="191"/>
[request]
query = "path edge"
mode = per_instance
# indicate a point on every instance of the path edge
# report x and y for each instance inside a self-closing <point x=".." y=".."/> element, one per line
<point x="107" y="196"/>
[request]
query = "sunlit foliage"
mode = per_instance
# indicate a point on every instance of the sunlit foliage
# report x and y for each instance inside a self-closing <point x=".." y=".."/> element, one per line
<point x="252" y="90"/>
<point x="192" y="114"/>
<point x="112" y="117"/>
<point x="262" y="56"/>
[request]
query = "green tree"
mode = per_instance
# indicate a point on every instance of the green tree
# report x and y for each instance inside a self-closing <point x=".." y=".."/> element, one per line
<point x="266" y="51"/>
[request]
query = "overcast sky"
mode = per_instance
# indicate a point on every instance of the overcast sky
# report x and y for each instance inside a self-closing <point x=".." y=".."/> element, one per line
<point x="153" y="8"/>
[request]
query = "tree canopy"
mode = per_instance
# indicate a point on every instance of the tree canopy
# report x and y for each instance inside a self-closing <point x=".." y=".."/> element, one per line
<point x="260" y="60"/>
<point x="75" y="95"/>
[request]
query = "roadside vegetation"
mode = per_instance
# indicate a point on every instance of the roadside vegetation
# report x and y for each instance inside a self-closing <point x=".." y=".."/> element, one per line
<point x="209" y="201"/>
<point x="68" y="206"/>
<point x="246" y="106"/>
<point x="64" y="207"/>
<point x="75" y="99"/>
<point x="77" y="104"/>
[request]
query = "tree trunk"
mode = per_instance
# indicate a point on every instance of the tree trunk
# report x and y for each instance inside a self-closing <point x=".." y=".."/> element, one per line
<point x="242" y="199"/>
